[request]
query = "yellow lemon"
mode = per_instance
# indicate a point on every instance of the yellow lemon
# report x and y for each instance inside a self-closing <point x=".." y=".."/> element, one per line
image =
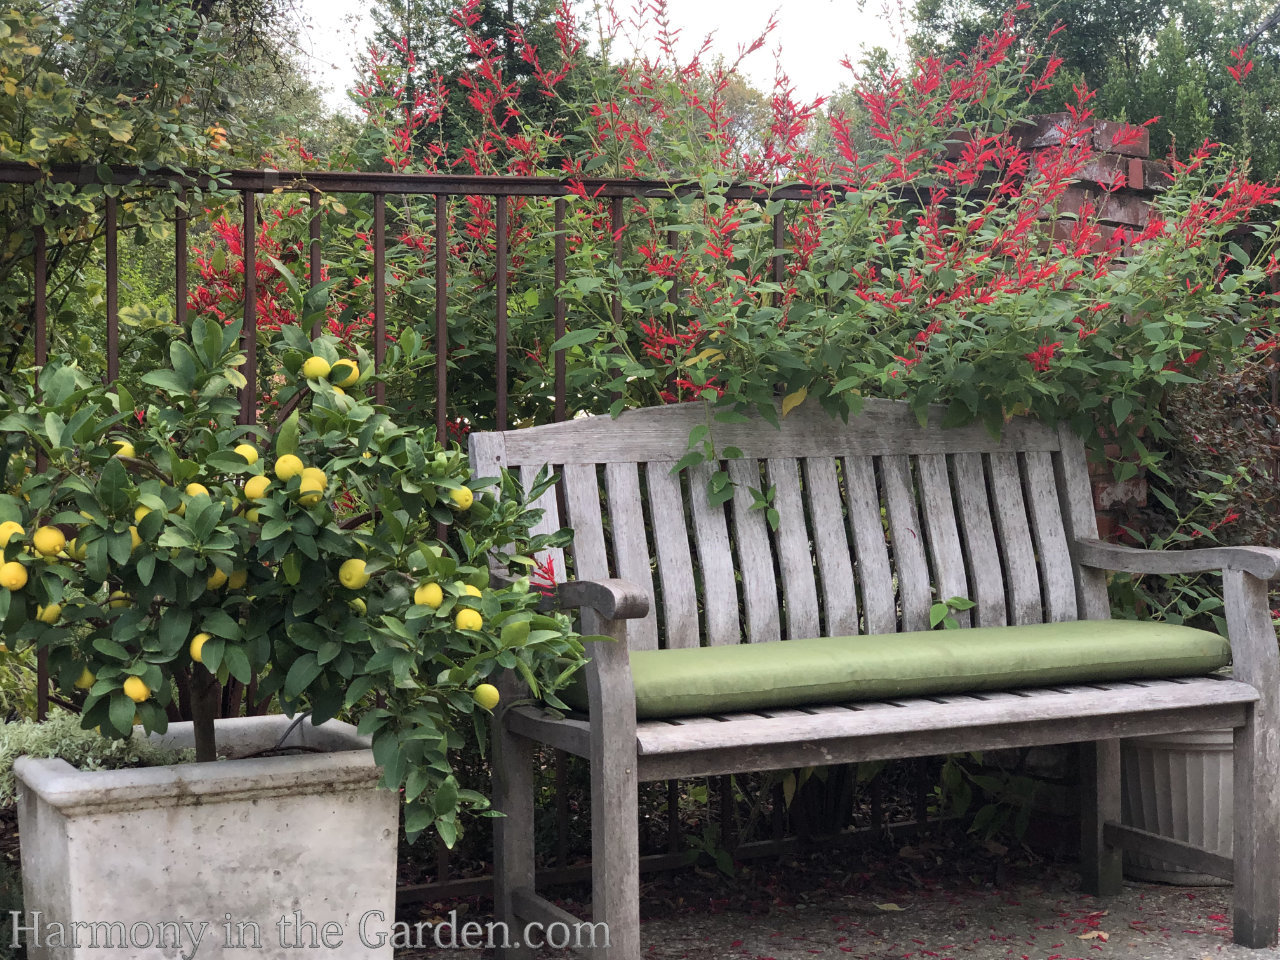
<point x="136" y="690"/>
<point x="429" y="595"/>
<point x="462" y="498"/>
<point x="252" y="516"/>
<point x="469" y="620"/>
<point x="237" y="579"/>
<point x="49" y="614"/>
<point x="197" y="490"/>
<point x="339" y="375"/>
<point x="315" y="475"/>
<point x="124" y="449"/>
<point x="486" y="694"/>
<point x="288" y="466"/>
<point x="139" y="512"/>
<point x="255" y="488"/>
<point x="339" y="391"/>
<point x="351" y="574"/>
<point x="358" y="607"/>
<point x="86" y="679"/>
<point x="216" y="579"/>
<point x="249" y="452"/>
<point x="135" y="539"/>
<point x="310" y="491"/>
<point x="470" y="591"/>
<point x="315" y="368"/>
<point x="197" y="644"/>
<point x="48" y="541"/>
<point x="13" y="575"/>
<point x="119" y="598"/>
<point x="8" y="530"/>
<point x="77" y="550"/>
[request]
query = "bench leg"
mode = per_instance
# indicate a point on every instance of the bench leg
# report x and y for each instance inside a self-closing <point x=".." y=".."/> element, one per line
<point x="513" y="866"/>
<point x="615" y="852"/>
<point x="1100" y="864"/>
<point x="1256" y="851"/>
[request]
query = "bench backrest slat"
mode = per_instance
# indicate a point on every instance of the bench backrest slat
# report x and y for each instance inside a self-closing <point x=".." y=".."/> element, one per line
<point x="550" y="521"/>
<point x="715" y="558"/>
<point x="939" y="515"/>
<point x="582" y="502"/>
<point x="1014" y="537"/>
<point x="631" y="551"/>
<point x="675" y="563"/>
<point x="1057" y="581"/>
<point x="981" y="555"/>
<point x="754" y="556"/>
<point x="907" y="542"/>
<point x="878" y="519"/>
<point x="831" y="546"/>
<point x="875" y="575"/>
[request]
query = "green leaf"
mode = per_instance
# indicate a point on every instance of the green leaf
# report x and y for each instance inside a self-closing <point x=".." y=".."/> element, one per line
<point x="576" y="338"/>
<point x="1121" y="408"/>
<point x="113" y="487"/>
<point x="301" y="675"/>
<point x="237" y="663"/>
<point x="287" y="437"/>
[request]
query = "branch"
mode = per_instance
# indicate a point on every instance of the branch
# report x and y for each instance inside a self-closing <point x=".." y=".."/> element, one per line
<point x="1270" y="21"/>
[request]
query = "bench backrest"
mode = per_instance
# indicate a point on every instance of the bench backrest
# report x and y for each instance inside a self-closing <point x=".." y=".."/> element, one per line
<point x="878" y="519"/>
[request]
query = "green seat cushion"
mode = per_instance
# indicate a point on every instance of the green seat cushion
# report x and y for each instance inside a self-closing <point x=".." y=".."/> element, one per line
<point x="792" y="673"/>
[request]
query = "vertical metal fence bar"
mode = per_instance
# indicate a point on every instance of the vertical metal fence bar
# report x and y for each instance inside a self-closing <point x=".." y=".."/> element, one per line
<point x="180" y="259"/>
<point x="673" y="816"/>
<point x="562" y="809"/>
<point x="616" y="225"/>
<point x="560" y="371"/>
<point x="502" y="333"/>
<point x="249" y="334"/>
<point x="313" y="251"/>
<point x="673" y="295"/>
<point x="40" y="347"/>
<point x="442" y="319"/>
<point x="779" y="237"/>
<point x="379" y="291"/>
<point x="113" y="292"/>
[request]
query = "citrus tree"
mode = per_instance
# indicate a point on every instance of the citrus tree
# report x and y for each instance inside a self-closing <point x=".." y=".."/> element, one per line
<point x="159" y="550"/>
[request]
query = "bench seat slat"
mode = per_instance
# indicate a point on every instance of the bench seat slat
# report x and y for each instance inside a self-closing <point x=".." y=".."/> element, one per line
<point x="923" y="716"/>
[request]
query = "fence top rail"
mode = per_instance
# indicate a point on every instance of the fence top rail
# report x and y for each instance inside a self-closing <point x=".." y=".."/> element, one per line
<point x="341" y="181"/>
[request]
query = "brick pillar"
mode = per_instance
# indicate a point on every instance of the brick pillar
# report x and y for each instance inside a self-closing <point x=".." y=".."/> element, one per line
<point x="1124" y="208"/>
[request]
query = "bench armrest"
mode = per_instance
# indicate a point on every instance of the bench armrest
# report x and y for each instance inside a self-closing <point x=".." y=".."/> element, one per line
<point x="1261" y="562"/>
<point x="612" y="598"/>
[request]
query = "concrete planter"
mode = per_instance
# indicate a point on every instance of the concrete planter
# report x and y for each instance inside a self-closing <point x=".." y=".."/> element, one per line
<point x="1179" y="785"/>
<point x="265" y="844"/>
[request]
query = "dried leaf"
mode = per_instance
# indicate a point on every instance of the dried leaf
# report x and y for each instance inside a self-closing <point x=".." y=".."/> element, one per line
<point x="1094" y="935"/>
<point x="893" y="907"/>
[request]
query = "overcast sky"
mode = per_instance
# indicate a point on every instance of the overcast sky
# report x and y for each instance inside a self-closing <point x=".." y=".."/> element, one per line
<point x="814" y="36"/>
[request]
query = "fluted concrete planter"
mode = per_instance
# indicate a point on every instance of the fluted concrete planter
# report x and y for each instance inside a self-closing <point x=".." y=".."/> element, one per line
<point x="244" y="842"/>
<point x="1179" y="785"/>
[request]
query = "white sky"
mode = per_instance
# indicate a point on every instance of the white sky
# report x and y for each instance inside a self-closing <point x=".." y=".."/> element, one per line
<point x="814" y="36"/>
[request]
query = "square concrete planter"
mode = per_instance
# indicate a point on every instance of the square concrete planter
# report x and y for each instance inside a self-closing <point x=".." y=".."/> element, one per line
<point x="269" y="845"/>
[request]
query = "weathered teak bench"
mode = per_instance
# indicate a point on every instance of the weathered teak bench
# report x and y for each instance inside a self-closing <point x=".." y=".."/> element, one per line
<point x="879" y="519"/>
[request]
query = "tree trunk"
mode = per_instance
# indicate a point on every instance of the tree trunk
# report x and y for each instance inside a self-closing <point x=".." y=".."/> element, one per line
<point x="206" y="703"/>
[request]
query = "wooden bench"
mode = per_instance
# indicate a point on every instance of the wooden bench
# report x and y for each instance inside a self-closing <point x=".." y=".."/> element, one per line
<point x="879" y="518"/>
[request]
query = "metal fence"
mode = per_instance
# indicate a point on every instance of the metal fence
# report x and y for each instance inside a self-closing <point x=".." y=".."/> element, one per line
<point x="249" y="185"/>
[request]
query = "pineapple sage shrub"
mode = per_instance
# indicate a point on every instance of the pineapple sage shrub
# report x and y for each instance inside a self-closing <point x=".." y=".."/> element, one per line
<point x="159" y="550"/>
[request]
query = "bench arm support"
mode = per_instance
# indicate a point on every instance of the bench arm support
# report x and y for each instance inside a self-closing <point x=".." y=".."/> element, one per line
<point x="613" y="599"/>
<point x="1260" y="562"/>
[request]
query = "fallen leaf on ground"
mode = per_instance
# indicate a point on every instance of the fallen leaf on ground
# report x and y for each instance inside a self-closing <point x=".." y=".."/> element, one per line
<point x="888" y="906"/>
<point x="1094" y="935"/>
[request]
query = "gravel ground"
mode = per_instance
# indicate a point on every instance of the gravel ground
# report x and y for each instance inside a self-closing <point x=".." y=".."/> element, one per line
<point x="1020" y="912"/>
